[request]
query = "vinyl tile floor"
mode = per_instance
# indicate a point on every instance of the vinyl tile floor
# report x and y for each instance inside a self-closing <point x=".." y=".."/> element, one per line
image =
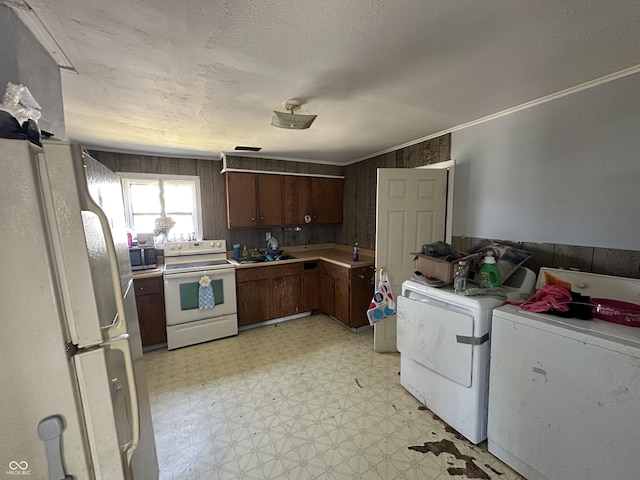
<point x="302" y="399"/>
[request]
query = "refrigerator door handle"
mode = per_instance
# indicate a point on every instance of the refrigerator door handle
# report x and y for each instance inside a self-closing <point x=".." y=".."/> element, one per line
<point x="119" y="326"/>
<point x="121" y="343"/>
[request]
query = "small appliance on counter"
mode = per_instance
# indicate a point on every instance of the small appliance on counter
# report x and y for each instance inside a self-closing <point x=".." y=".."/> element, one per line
<point x="142" y="258"/>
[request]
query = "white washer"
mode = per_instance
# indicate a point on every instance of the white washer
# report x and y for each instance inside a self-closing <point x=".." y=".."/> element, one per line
<point x="565" y="393"/>
<point x="443" y="339"/>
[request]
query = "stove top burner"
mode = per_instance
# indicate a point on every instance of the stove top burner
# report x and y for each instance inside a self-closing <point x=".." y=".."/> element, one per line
<point x="195" y="266"/>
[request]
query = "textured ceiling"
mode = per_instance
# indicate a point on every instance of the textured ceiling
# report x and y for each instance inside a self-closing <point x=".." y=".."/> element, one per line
<point x="198" y="77"/>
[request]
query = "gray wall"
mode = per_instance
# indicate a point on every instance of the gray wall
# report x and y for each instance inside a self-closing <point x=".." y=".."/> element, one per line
<point x="29" y="64"/>
<point x="563" y="172"/>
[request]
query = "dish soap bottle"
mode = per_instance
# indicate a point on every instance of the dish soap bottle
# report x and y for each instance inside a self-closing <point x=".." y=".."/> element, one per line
<point x="489" y="276"/>
<point x="356" y="252"/>
<point x="460" y="277"/>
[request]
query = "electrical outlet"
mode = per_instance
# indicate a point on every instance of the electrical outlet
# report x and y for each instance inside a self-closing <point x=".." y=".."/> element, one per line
<point x="267" y="236"/>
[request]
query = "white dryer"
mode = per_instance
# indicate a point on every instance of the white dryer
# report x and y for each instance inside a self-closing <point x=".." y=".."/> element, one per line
<point x="444" y="344"/>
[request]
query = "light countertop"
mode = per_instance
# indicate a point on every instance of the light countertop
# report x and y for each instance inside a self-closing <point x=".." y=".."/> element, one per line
<point x="152" y="272"/>
<point x="329" y="252"/>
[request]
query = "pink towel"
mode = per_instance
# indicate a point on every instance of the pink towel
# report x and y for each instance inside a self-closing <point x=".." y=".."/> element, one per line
<point x="548" y="297"/>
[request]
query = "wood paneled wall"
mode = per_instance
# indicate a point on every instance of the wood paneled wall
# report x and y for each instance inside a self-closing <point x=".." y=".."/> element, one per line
<point x="214" y="216"/>
<point x="606" y="261"/>
<point x="214" y="203"/>
<point x="359" y="206"/>
<point x="360" y="186"/>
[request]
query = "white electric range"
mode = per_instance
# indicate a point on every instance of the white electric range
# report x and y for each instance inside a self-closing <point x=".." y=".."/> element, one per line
<point x="190" y="267"/>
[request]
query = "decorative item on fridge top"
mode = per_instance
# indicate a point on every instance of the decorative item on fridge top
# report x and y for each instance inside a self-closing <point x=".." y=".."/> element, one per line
<point x="19" y="115"/>
<point x="382" y="304"/>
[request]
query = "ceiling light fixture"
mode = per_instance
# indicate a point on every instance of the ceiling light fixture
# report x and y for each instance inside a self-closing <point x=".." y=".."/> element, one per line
<point x="291" y="120"/>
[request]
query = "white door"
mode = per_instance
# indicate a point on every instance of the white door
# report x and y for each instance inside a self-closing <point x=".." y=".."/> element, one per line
<point x="410" y="211"/>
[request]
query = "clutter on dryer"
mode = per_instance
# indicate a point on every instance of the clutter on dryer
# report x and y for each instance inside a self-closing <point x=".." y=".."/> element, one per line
<point x="460" y="277"/>
<point x="507" y="259"/>
<point x="438" y="260"/>
<point x="489" y="275"/>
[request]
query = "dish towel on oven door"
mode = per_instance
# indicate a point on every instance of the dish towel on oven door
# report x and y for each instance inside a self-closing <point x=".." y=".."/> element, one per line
<point x="205" y="293"/>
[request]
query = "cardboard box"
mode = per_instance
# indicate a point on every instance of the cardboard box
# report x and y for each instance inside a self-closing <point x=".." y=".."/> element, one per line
<point x="437" y="268"/>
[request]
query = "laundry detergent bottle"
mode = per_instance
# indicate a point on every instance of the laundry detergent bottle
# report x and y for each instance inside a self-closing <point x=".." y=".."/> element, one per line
<point x="489" y="275"/>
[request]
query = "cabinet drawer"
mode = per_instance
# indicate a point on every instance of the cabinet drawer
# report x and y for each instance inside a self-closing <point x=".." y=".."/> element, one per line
<point x="147" y="286"/>
<point x="267" y="272"/>
<point x="336" y="271"/>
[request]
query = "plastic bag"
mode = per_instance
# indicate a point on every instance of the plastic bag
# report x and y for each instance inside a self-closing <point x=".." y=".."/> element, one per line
<point x="19" y="102"/>
<point x="382" y="304"/>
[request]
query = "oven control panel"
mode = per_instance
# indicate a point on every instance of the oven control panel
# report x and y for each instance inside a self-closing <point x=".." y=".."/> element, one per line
<point x="197" y="247"/>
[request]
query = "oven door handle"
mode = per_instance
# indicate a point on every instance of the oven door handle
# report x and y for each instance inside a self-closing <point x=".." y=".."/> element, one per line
<point x="215" y="272"/>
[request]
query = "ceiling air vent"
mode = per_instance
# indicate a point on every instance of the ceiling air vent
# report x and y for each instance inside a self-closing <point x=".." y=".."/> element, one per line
<point x="248" y="149"/>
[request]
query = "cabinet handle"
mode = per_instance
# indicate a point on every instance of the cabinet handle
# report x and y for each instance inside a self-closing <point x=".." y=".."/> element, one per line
<point x="253" y="219"/>
<point x="261" y="218"/>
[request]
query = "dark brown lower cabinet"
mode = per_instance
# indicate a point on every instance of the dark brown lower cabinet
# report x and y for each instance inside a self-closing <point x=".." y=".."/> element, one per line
<point x="311" y="286"/>
<point x="265" y="293"/>
<point x="151" y="315"/>
<point x="253" y="298"/>
<point x="346" y="293"/>
<point x="276" y="291"/>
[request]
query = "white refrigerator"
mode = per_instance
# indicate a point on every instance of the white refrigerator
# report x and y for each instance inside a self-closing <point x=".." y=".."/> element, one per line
<point x="73" y="395"/>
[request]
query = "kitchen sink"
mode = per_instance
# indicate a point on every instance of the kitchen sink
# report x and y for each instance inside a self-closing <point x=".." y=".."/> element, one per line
<point x="266" y="258"/>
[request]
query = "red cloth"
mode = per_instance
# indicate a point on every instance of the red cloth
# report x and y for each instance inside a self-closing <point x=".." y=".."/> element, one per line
<point x="548" y="297"/>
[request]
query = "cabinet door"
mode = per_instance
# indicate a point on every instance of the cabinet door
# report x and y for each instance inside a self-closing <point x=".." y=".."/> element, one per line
<point x="269" y="200"/>
<point x="362" y="288"/>
<point x="327" y="296"/>
<point x="296" y="198"/>
<point x="287" y="295"/>
<point x="241" y="200"/>
<point x="311" y="288"/>
<point x="151" y="314"/>
<point x="342" y="301"/>
<point x="326" y="200"/>
<point x="253" y="299"/>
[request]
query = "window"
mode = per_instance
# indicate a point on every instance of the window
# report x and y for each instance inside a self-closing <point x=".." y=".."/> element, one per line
<point x="148" y="196"/>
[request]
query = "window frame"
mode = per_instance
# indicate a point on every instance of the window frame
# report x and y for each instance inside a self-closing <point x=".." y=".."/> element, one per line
<point x="125" y="182"/>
